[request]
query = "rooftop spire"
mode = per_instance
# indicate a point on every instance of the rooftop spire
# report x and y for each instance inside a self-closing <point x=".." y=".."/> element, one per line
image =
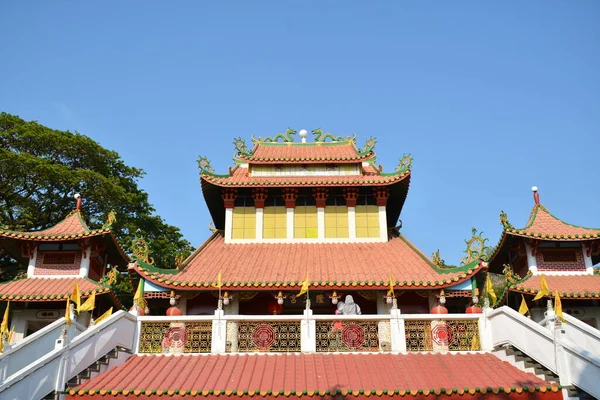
<point x="536" y="195"/>
<point x="77" y="196"/>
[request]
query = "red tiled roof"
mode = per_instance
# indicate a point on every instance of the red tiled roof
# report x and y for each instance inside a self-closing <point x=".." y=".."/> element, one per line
<point x="544" y="225"/>
<point x="349" y="375"/>
<point x="73" y="226"/>
<point x="370" y="176"/>
<point x="47" y="289"/>
<point x="274" y="153"/>
<point x="268" y="265"/>
<point x="568" y="286"/>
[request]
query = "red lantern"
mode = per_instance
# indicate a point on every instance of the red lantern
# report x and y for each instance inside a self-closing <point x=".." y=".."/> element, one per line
<point x="174" y="311"/>
<point x="439" y="310"/>
<point x="275" y="308"/>
<point x="474" y="310"/>
<point x="140" y="310"/>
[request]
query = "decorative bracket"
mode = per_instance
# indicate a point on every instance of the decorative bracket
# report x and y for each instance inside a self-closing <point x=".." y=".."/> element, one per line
<point x="141" y="250"/>
<point x="475" y="247"/>
<point x="404" y="163"/>
<point x="204" y="165"/>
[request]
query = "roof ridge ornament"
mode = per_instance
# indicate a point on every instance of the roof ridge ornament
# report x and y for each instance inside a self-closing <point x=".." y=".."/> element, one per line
<point x="536" y="195"/>
<point x="504" y="221"/>
<point x="77" y="196"/>
<point x="404" y="163"/>
<point x="240" y="146"/>
<point x="476" y="247"/>
<point x="140" y="249"/>
<point x="321" y="137"/>
<point x="111" y="219"/>
<point x="285" y="137"/>
<point x="369" y="145"/>
<point x="204" y="165"/>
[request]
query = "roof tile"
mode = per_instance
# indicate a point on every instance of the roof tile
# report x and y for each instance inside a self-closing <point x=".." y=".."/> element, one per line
<point x="49" y="289"/>
<point x="545" y="225"/>
<point x="313" y="372"/>
<point x="585" y="286"/>
<point x="274" y="153"/>
<point x="324" y="262"/>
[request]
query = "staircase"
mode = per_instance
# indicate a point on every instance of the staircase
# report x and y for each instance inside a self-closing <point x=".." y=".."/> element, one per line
<point x="567" y="354"/>
<point x="91" y="352"/>
<point x="113" y="358"/>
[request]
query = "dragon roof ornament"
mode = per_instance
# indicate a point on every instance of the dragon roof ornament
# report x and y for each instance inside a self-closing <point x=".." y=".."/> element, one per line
<point x="476" y="247"/>
<point x="285" y="137"/>
<point x="321" y="137"/>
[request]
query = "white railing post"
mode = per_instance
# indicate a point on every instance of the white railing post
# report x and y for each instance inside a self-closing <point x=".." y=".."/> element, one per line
<point x="397" y="331"/>
<point x="308" y="332"/>
<point x="562" y="365"/>
<point x="219" y="333"/>
<point x="4" y="367"/>
<point x="485" y="331"/>
<point x="61" y="372"/>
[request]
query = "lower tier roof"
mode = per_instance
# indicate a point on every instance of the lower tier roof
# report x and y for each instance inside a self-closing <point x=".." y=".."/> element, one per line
<point x="329" y="265"/>
<point x="354" y="375"/>
<point x="48" y="289"/>
<point x="568" y="286"/>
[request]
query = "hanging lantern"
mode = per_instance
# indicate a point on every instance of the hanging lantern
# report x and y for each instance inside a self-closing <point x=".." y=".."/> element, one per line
<point x="440" y="309"/>
<point x="334" y="298"/>
<point x="226" y="298"/>
<point x="280" y="298"/>
<point x="389" y="299"/>
<point x="275" y="308"/>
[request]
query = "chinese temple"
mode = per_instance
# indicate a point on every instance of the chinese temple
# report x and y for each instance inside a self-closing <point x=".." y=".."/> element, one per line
<point x="57" y="258"/>
<point x="562" y="253"/>
<point x="307" y="287"/>
<point x="323" y="211"/>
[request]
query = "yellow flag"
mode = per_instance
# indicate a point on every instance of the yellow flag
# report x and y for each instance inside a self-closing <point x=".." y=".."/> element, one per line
<point x="544" y="290"/>
<point x="391" y="289"/>
<point x="11" y="334"/>
<point x="490" y="290"/>
<point x="475" y="344"/>
<point x="523" y="309"/>
<point x="219" y="284"/>
<point x="558" y="307"/>
<point x="104" y="316"/>
<point x="4" y="326"/>
<point x="68" y="312"/>
<point x="304" y="288"/>
<point x="89" y="304"/>
<point x="76" y="296"/>
<point x="138" y="298"/>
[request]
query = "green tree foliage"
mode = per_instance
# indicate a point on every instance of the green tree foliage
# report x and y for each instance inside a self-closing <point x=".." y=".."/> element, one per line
<point x="41" y="168"/>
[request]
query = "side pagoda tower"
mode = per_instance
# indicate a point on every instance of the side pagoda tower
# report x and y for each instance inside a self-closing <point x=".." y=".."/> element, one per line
<point x="564" y="254"/>
<point x="56" y="258"/>
<point x="320" y="212"/>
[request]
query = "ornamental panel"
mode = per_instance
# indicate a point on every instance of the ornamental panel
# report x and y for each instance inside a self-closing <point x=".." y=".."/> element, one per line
<point x="268" y="336"/>
<point x="353" y="336"/>
<point x="176" y="337"/>
<point x="451" y="335"/>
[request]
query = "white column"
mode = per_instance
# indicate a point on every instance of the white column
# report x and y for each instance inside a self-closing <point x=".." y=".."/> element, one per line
<point x="182" y="305"/>
<point x="485" y="331"/>
<point x="382" y="306"/>
<point x="352" y="222"/>
<point x="589" y="267"/>
<point x="308" y="331"/>
<point x="321" y="222"/>
<point x="531" y="261"/>
<point x="289" y="223"/>
<point x="219" y="333"/>
<point x="397" y="331"/>
<point x="228" y="224"/>
<point x="383" y="235"/>
<point x="84" y="268"/>
<point x="32" y="261"/>
<point x="260" y="215"/>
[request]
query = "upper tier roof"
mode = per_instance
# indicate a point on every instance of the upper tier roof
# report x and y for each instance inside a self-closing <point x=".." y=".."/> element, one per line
<point x="329" y="265"/>
<point x="73" y="227"/>
<point x="310" y="153"/>
<point x="420" y="376"/>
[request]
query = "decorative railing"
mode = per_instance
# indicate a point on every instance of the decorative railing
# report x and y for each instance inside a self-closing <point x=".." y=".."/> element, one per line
<point x="442" y="334"/>
<point x="269" y="336"/>
<point x="352" y="336"/>
<point x="175" y="337"/>
<point x="312" y="333"/>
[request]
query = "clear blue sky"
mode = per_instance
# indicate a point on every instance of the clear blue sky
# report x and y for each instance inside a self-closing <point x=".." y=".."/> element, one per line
<point x="489" y="97"/>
